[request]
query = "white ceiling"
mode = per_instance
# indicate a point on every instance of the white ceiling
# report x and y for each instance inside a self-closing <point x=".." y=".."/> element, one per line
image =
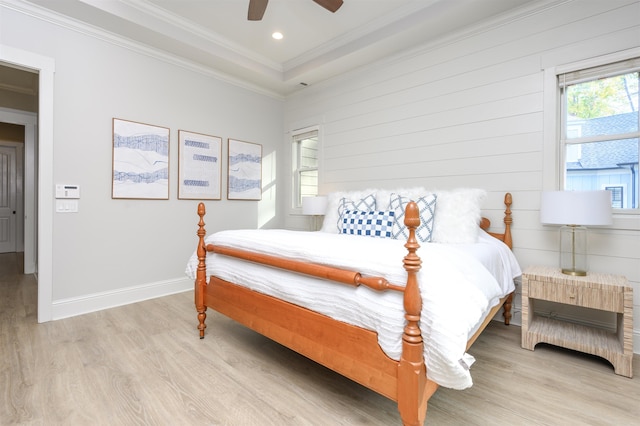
<point x="317" y="44"/>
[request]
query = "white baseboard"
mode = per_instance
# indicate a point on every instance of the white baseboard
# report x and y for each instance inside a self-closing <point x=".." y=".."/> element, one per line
<point x="65" y="308"/>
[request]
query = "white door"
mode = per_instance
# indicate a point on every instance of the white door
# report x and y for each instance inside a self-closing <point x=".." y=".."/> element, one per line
<point x="7" y="199"/>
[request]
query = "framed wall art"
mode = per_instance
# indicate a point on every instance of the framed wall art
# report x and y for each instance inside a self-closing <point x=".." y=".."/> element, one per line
<point x="140" y="160"/>
<point x="245" y="171"/>
<point x="199" y="166"/>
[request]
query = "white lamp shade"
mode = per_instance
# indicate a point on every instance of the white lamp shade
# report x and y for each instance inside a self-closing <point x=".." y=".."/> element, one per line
<point x="315" y="206"/>
<point x="586" y="208"/>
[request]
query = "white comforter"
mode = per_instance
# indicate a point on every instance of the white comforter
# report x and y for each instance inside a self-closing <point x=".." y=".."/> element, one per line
<point x="459" y="285"/>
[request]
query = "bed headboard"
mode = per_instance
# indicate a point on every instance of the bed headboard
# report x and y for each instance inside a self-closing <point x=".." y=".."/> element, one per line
<point x="506" y="236"/>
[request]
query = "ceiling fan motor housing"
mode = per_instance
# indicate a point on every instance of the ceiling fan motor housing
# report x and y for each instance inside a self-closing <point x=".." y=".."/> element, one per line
<point x="258" y="7"/>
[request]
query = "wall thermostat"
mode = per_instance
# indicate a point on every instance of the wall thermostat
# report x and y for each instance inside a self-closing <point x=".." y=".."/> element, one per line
<point x="67" y="191"/>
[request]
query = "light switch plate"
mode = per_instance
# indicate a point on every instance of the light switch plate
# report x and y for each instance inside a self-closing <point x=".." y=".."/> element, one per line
<point x="66" y="206"/>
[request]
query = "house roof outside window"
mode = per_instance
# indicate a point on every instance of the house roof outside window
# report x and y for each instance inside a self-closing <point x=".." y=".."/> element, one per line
<point x="610" y="154"/>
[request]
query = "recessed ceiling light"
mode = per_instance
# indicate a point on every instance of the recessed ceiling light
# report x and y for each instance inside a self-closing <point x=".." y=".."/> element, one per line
<point x="277" y="35"/>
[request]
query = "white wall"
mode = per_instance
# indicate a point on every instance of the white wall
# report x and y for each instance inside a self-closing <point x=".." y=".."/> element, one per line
<point x="118" y="251"/>
<point x="468" y="110"/>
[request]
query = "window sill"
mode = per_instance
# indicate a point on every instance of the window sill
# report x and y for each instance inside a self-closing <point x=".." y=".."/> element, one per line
<point x="626" y="221"/>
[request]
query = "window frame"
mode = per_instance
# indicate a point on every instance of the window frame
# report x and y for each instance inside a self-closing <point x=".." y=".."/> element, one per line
<point x="296" y="170"/>
<point x="576" y="141"/>
<point x="553" y="149"/>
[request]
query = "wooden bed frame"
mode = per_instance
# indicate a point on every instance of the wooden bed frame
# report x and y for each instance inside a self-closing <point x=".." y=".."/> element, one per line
<point x="349" y="350"/>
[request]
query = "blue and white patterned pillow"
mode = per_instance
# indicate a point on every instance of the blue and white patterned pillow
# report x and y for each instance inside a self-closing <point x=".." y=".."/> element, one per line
<point x="367" y="203"/>
<point x="368" y="223"/>
<point x="427" y="209"/>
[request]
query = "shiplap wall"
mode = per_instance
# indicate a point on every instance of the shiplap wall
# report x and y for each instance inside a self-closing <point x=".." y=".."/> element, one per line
<point x="468" y="111"/>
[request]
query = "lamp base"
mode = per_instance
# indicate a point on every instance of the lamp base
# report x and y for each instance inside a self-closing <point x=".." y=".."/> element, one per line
<point x="574" y="272"/>
<point x="573" y="250"/>
<point x="317" y="222"/>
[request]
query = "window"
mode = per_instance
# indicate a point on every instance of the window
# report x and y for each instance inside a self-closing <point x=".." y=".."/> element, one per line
<point x="617" y="200"/>
<point x="305" y="165"/>
<point x="600" y="130"/>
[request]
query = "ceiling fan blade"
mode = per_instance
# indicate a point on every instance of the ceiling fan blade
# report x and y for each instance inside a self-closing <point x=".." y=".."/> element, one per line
<point x="256" y="9"/>
<point x="330" y="5"/>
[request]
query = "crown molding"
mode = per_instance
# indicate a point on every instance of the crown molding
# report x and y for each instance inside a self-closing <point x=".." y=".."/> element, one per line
<point x="80" y="27"/>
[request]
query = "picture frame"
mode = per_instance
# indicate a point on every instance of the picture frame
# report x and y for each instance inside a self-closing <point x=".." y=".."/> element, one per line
<point x="199" y="166"/>
<point x="140" y="167"/>
<point x="244" y="170"/>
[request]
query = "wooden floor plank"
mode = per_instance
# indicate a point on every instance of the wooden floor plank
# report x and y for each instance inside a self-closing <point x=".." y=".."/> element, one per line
<point x="144" y="364"/>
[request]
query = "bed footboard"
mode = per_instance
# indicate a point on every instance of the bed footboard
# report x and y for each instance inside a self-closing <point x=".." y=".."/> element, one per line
<point x="404" y="381"/>
<point x="412" y="298"/>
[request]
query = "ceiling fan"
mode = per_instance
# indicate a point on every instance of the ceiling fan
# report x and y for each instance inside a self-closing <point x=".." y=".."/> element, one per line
<point x="257" y="7"/>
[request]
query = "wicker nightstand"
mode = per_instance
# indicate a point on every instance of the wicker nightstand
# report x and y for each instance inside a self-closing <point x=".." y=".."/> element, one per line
<point x="596" y="291"/>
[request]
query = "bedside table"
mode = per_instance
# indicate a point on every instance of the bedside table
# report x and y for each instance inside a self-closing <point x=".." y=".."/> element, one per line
<point x="605" y="292"/>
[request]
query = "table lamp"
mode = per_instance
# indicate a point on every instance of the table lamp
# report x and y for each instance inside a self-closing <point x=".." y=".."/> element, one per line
<point x="575" y="210"/>
<point x="314" y="206"/>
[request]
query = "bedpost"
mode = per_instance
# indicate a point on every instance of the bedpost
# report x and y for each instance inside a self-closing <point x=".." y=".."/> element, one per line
<point x="201" y="273"/>
<point x="508" y="220"/>
<point x="412" y="398"/>
<point x="509" y="242"/>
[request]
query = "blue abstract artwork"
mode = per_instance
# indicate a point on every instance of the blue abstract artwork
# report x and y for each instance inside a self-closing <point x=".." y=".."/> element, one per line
<point x="199" y="166"/>
<point x="245" y="171"/>
<point x="140" y="160"/>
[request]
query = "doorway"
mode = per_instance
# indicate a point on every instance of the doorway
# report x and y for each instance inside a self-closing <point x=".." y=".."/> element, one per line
<point x="24" y="220"/>
<point x="18" y="127"/>
<point x="38" y="171"/>
<point x="10" y="195"/>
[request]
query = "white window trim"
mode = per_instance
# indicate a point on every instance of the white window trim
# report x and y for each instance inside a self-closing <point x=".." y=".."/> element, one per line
<point x="298" y="210"/>
<point x="552" y="155"/>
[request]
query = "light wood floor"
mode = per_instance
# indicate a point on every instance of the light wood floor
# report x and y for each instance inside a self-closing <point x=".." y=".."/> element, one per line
<point x="143" y="364"/>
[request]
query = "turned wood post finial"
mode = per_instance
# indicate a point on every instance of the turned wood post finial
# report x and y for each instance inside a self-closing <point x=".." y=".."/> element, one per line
<point x="508" y="220"/>
<point x="201" y="272"/>
<point x="412" y="297"/>
<point x="411" y="369"/>
<point x="201" y="250"/>
<point x="507" y="213"/>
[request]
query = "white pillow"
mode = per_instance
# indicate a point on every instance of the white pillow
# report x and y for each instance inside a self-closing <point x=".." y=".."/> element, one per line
<point x="458" y="215"/>
<point x="383" y="196"/>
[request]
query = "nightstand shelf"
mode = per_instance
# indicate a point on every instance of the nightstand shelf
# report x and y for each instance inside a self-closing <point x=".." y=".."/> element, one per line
<point x="595" y="291"/>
